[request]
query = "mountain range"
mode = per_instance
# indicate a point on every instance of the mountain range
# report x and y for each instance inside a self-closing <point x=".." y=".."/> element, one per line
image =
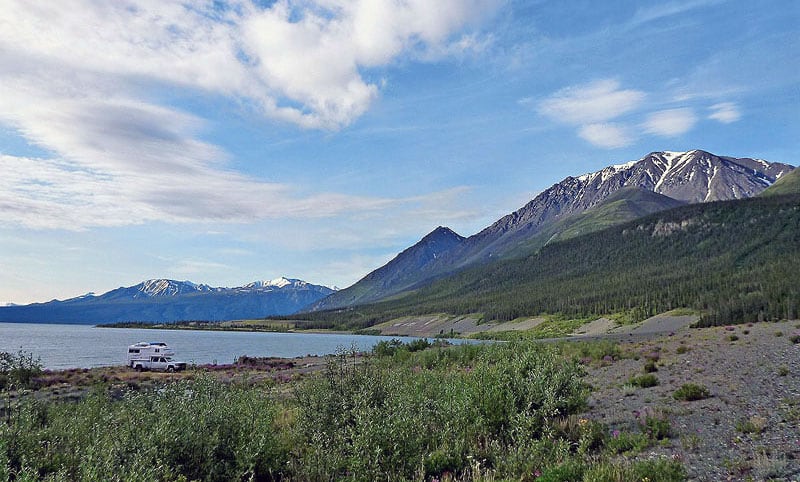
<point x="447" y="271"/>
<point x="576" y="205"/>
<point x="163" y="300"/>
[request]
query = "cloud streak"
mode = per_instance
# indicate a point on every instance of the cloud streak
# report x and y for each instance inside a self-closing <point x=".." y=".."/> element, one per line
<point x="595" y="102"/>
<point x="83" y="89"/>
<point x="671" y="122"/>
<point x="725" y="112"/>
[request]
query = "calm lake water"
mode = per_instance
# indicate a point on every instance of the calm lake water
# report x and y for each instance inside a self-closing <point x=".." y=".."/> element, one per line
<point x="82" y="346"/>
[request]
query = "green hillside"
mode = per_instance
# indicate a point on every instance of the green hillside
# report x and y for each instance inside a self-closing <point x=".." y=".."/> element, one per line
<point x="737" y="261"/>
<point x="787" y="184"/>
<point x="622" y="206"/>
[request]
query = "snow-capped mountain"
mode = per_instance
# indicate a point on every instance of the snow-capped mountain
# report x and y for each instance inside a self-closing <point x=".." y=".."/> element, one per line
<point x="690" y="177"/>
<point x="276" y="283"/>
<point x="693" y="176"/>
<point x="164" y="300"/>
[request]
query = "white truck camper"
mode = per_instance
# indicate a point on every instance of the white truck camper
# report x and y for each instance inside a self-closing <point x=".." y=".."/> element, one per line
<point x="153" y="356"/>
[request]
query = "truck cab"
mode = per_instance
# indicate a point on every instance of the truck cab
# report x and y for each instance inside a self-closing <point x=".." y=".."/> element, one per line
<point x="159" y="363"/>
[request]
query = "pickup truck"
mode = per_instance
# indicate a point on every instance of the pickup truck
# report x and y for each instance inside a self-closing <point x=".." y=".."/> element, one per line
<point x="161" y="363"/>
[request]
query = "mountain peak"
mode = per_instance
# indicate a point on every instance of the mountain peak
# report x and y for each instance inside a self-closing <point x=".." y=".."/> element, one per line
<point x="280" y="282"/>
<point x="441" y="232"/>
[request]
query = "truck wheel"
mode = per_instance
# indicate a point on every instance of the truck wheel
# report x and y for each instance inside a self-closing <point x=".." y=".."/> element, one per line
<point x="170" y="369"/>
<point x="138" y="368"/>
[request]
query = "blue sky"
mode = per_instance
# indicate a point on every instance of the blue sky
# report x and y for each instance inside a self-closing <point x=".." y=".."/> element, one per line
<point x="225" y="142"/>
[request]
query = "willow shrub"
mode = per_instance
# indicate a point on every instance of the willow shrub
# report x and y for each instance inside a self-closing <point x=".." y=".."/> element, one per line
<point x="370" y="421"/>
<point x="200" y="430"/>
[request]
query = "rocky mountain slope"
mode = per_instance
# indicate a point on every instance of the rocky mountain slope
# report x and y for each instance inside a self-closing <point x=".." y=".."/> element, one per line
<point x="399" y="273"/>
<point x="162" y="300"/>
<point x="685" y="177"/>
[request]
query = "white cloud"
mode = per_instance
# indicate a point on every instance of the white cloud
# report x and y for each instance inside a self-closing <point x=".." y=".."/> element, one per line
<point x="598" y="101"/>
<point x="590" y="106"/>
<point x="83" y="89"/>
<point x="606" y="135"/>
<point x="670" y="123"/>
<point x="725" y="112"/>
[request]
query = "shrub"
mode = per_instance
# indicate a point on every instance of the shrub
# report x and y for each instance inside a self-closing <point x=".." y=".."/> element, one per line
<point x="626" y="442"/>
<point x="655" y="424"/>
<point x="650" y="367"/>
<point x="192" y="431"/>
<point x="381" y="422"/>
<point x="690" y="391"/>
<point x="644" y="381"/>
<point x="660" y="470"/>
<point x="19" y="370"/>
<point x="795" y="339"/>
<point x="682" y="349"/>
<point x="755" y="424"/>
<point x="732" y="338"/>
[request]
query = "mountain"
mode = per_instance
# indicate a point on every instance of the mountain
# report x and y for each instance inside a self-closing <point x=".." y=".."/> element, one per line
<point x="624" y="205"/>
<point x="789" y="183"/>
<point x="735" y="261"/>
<point x="163" y="300"/>
<point x="398" y="274"/>
<point x="689" y="177"/>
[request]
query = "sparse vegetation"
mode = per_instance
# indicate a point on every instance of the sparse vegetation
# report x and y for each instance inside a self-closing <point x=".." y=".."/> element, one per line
<point x="644" y="381"/>
<point x="689" y="392"/>
<point x="753" y="425"/>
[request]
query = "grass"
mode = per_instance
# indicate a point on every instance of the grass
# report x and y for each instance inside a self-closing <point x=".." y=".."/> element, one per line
<point x="554" y="326"/>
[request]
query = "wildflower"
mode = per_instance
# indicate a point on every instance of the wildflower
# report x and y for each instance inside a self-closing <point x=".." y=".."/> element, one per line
<point x="615" y="434"/>
<point x="582" y="422"/>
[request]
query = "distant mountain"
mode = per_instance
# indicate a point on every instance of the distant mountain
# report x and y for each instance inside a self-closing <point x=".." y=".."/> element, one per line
<point x="684" y="177"/>
<point x="163" y="300"/>
<point x="398" y="274"/>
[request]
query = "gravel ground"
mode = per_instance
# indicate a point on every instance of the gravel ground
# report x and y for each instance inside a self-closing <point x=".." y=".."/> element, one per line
<point x="748" y="429"/>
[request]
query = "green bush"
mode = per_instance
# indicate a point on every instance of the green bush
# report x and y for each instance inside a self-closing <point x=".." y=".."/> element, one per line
<point x="690" y="391"/>
<point x="19" y="370"/>
<point x="660" y="470"/>
<point x="625" y="442"/>
<point x="644" y="381"/>
<point x="384" y="422"/>
<point x="197" y="431"/>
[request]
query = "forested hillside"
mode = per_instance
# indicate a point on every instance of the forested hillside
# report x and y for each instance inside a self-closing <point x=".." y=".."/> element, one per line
<point x="736" y="261"/>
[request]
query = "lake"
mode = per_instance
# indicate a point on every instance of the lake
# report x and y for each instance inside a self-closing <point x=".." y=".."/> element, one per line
<point x="83" y="346"/>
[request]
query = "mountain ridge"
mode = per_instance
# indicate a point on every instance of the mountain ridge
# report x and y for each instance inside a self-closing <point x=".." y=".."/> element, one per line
<point x="163" y="300"/>
<point x="690" y="176"/>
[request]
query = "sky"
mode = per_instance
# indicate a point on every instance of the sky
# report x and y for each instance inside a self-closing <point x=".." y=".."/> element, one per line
<point x="224" y="142"/>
